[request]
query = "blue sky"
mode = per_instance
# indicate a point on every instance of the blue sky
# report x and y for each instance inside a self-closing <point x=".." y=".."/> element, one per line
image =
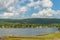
<point x="56" y="5"/>
<point x="29" y="8"/>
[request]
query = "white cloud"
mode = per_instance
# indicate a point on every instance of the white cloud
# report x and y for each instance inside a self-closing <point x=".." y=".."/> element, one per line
<point x="35" y="4"/>
<point x="6" y="15"/>
<point x="5" y="3"/>
<point x="46" y="13"/>
<point x="47" y="10"/>
<point x="44" y="3"/>
<point x="13" y="9"/>
<point x="23" y="9"/>
<point x="47" y="3"/>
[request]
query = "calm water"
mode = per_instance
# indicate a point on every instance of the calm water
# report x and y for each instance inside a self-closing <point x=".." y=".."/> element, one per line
<point x="26" y="31"/>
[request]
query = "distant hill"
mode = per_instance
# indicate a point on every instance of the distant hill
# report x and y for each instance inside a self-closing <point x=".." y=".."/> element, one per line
<point x="31" y="21"/>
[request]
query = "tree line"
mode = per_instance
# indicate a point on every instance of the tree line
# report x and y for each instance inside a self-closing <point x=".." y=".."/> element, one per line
<point x="18" y="25"/>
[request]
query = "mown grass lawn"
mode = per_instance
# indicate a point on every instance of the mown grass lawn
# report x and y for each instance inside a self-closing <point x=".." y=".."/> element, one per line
<point x="53" y="36"/>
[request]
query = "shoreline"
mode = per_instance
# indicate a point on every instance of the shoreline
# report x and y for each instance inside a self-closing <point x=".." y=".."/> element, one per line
<point x="52" y="36"/>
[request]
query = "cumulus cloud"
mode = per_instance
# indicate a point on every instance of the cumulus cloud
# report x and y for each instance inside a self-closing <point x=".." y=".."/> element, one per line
<point x="6" y="15"/>
<point x="5" y="3"/>
<point x="12" y="8"/>
<point x="44" y="3"/>
<point x="8" y="6"/>
<point x="43" y="13"/>
<point x="47" y="3"/>
<point x="46" y="13"/>
<point x="35" y="4"/>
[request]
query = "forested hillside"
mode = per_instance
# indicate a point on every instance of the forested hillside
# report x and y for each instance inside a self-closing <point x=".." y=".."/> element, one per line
<point x="31" y="21"/>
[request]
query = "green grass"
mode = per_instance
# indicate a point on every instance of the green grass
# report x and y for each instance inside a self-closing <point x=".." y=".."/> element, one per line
<point x="29" y="38"/>
<point x="53" y="36"/>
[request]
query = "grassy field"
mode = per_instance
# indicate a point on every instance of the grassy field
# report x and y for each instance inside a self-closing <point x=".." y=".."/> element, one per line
<point x="53" y="36"/>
